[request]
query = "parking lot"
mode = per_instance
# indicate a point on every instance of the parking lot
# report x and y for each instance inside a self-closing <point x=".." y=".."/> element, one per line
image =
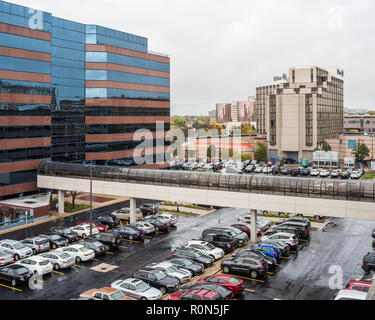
<point x="305" y="274"/>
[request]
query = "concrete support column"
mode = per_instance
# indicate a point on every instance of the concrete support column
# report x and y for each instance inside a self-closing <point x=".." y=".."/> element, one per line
<point x="133" y="207"/>
<point x="254" y="227"/>
<point x="61" y="200"/>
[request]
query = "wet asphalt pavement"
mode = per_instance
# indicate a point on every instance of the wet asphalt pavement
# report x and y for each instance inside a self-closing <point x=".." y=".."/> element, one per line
<point x="304" y="276"/>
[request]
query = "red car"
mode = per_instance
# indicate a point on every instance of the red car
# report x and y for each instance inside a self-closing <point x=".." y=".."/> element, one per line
<point x="244" y="227"/>
<point x="97" y="224"/>
<point x="358" y="285"/>
<point x="227" y="281"/>
<point x="195" y="294"/>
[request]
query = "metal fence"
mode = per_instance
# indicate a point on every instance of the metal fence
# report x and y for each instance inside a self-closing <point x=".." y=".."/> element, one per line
<point x="278" y="185"/>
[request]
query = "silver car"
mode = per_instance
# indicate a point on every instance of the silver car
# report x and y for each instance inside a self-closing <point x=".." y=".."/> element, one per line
<point x="171" y="270"/>
<point x="5" y="258"/>
<point x="146" y="227"/>
<point x="37" y="244"/>
<point x="16" y="248"/>
<point x="137" y="289"/>
<point x="171" y="217"/>
<point x="59" y="259"/>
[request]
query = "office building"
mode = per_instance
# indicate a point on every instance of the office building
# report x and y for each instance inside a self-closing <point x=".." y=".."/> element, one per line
<point x="301" y="111"/>
<point x="359" y="123"/>
<point x="73" y="92"/>
<point x="237" y="111"/>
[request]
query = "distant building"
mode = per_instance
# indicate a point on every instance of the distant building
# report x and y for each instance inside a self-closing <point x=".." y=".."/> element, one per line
<point x="359" y="123"/>
<point x="212" y="116"/>
<point x="237" y="111"/>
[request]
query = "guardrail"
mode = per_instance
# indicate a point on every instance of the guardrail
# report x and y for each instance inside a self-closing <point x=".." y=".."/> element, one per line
<point x="16" y="222"/>
<point x="354" y="190"/>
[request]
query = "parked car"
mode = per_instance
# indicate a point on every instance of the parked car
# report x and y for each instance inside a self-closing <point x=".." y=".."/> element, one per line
<point x="262" y="224"/>
<point x="282" y="246"/>
<point x="137" y="289"/>
<point x="219" y="240"/>
<point x="37" y="265"/>
<point x="145" y="226"/>
<point x="355" y="175"/>
<point x="258" y="169"/>
<point x="59" y="259"/>
<point x="276" y="170"/>
<point x="324" y="173"/>
<point x="295" y="171"/>
<point x="300" y="226"/>
<point x="124" y="214"/>
<point x="207" y="248"/>
<point x="284" y="171"/>
<point x="196" y="268"/>
<point x="268" y="249"/>
<point x="158" y="279"/>
<point x="99" y="226"/>
<point x="5" y="258"/>
<point x="167" y="267"/>
<point x="108" y="220"/>
<point x="358" y="285"/>
<point x="15" y="248"/>
<point x="336" y="174"/>
<point x="195" y="294"/>
<point x="66" y="233"/>
<point x="79" y="252"/>
<point x="169" y="217"/>
<point x="251" y="266"/>
<point x="160" y="223"/>
<point x="37" y="244"/>
<point x="129" y="232"/>
<point x="251" y="252"/>
<point x="98" y="247"/>
<point x="227" y="281"/>
<point x="296" y="219"/>
<point x="229" y="233"/>
<point x="284" y="229"/>
<point x="350" y="295"/>
<point x="315" y="172"/>
<point x="55" y="241"/>
<point x="305" y="172"/>
<point x="112" y="239"/>
<point x="345" y="175"/>
<point x="288" y="238"/>
<point x="83" y="230"/>
<point x="244" y="227"/>
<point x="105" y="293"/>
<point x="194" y="255"/>
<point x="368" y="262"/>
<point x="250" y="168"/>
<point x="15" y="274"/>
<point x="225" y="293"/>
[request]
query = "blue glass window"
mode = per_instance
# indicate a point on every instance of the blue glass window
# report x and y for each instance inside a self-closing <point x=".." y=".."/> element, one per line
<point x="70" y="73"/>
<point x="126" y="94"/>
<point x="70" y="54"/>
<point x="17" y="64"/>
<point x="352" y="144"/>
<point x="13" y="41"/>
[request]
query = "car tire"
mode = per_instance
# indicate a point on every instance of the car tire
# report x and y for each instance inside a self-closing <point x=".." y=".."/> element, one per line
<point x="253" y="274"/>
<point x="54" y="246"/>
<point x="84" y="236"/>
<point x="163" y="290"/>
<point x="16" y="257"/>
<point x="56" y="266"/>
<point x="143" y="298"/>
<point x="34" y="252"/>
<point x="78" y="259"/>
<point x="156" y="228"/>
<point x="13" y="283"/>
<point x="130" y="237"/>
<point x="226" y="269"/>
<point x="212" y="257"/>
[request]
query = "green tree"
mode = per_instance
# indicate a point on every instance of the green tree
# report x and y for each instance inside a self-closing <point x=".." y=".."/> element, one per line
<point x="246" y="156"/>
<point x="211" y="151"/>
<point x="326" y="147"/>
<point x="361" y="151"/>
<point x="179" y="122"/>
<point x="261" y="152"/>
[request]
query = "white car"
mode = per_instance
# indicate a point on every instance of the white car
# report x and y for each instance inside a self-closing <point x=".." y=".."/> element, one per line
<point x="355" y="175"/>
<point x="262" y="224"/>
<point x="172" y="218"/>
<point x="315" y="172"/>
<point x="37" y="265"/>
<point x="287" y="238"/>
<point x="258" y="169"/>
<point x="324" y="173"/>
<point x="267" y="170"/>
<point x="206" y="248"/>
<point x="16" y="248"/>
<point x="137" y="289"/>
<point x="350" y="295"/>
<point x="59" y="259"/>
<point x="170" y="269"/>
<point x="83" y="230"/>
<point x="79" y="252"/>
<point x="124" y="214"/>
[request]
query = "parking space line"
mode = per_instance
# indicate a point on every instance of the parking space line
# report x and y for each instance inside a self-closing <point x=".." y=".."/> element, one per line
<point x="94" y="259"/>
<point x="147" y="237"/>
<point x="247" y="278"/>
<point x="3" y="285"/>
<point x="279" y="265"/>
<point x="285" y="258"/>
<point x="303" y="240"/>
<point x="131" y="240"/>
<point x="76" y="265"/>
<point x="249" y="290"/>
<point x="110" y="252"/>
<point x="57" y="272"/>
<point x="293" y="251"/>
<point x="123" y="247"/>
<point x="271" y="273"/>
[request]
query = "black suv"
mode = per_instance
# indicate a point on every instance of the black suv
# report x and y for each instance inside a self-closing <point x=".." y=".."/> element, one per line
<point x="300" y="226"/>
<point x="229" y="232"/>
<point x="108" y="220"/>
<point x="296" y="219"/>
<point x="182" y="263"/>
<point x="287" y="229"/>
<point x="250" y="252"/>
<point x="368" y="262"/>
<point x="66" y="233"/>
<point x="159" y="223"/>
<point x="158" y="279"/>
<point x="295" y="172"/>
<point x="55" y="240"/>
<point x="221" y="241"/>
<point x="149" y="209"/>
<point x="276" y="170"/>
<point x="194" y="255"/>
<point x="112" y="239"/>
<point x="98" y="247"/>
<point x="252" y="266"/>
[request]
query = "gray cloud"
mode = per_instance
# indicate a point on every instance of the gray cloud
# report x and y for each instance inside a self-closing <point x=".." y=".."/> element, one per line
<point x="221" y="50"/>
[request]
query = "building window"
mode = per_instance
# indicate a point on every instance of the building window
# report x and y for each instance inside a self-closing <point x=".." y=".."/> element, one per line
<point x="352" y="144"/>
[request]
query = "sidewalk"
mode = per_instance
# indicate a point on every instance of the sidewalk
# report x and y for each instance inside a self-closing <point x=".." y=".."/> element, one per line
<point x="55" y="216"/>
<point x="186" y="211"/>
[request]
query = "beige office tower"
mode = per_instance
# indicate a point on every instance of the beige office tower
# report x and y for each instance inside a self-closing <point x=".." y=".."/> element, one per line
<point x="299" y="112"/>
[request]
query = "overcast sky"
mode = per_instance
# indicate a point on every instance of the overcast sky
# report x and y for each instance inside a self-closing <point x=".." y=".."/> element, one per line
<point x="222" y="50"/>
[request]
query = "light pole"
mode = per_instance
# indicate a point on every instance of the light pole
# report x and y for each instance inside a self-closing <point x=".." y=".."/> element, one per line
<point x="90" y="199"/>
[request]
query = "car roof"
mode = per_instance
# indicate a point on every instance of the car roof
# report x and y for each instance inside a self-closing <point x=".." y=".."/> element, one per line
<point x="352" y="294"/>
<point x="133" y="281"/>
<point x="10" y="241"/>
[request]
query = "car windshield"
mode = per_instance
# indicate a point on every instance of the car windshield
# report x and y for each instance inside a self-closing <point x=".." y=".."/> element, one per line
<point x="84" y="249"/>
<point x="66" y="231"/>
<point x="19" y="246"/>
<point x="64" y="256"/>
<point x="97" y="244"/>
<point x="117" y="295"/>
<point x="187" y="262"/>
<point x="172" y="269"/>
<point x="41" y="241"/>
<point x="22" y="270"/>
<point x="142" y="287"/>
<point x="43" y="263"/>
<point x="234" y="233"/>
<point x="159" y="275"/>
<point x="234" y="280"/>
<point x="210" y="246"/>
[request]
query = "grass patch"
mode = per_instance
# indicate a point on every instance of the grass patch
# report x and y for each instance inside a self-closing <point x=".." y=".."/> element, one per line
<point x="174" y="211"/>
<point x="368" y="176"/>
<point x="68" y="206"/>
<point x="191" y="206"/>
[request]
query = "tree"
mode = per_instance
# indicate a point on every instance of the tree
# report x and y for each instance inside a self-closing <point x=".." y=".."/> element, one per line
<point x="261" y="152"/>
<point x="326" y="147"/>
<point x="361" y="151"/>
<point x="179" y="122"/>
<point x="211" y="151"/>
<point x="246" y="156"/>
<point x="246" y="129"/>
<point x="74" y="195"/>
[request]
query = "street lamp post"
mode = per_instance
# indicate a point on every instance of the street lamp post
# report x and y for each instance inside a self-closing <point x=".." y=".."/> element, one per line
<point x="90" y="199"/>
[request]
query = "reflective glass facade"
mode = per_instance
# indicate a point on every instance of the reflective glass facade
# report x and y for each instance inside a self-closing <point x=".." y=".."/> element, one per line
<point x="57" y="74"/>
